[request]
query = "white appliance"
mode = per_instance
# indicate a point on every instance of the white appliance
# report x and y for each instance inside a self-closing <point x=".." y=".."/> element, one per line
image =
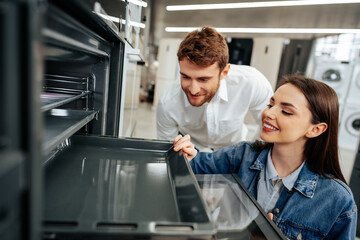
<point x="168" y="71"/>
<point x="354" y="90"/>
<point x="341" y="109"/>
<point x="335" y="73"/>
<point x="349" y="133"/>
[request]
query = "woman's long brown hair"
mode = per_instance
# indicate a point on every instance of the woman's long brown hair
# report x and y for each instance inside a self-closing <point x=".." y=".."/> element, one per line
<point x="321" y="153"/>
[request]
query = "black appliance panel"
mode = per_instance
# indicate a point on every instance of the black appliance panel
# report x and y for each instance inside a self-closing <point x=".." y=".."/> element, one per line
<point x="240" y="50"/>
<point x="83" y="69"/>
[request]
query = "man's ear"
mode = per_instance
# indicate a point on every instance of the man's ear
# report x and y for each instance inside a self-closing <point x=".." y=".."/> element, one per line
<point x="225" y="71"/>
<point x="316" y="130"/>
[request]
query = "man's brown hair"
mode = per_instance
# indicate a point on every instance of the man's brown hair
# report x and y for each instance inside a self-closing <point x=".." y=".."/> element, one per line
<point x="204" y="48"/>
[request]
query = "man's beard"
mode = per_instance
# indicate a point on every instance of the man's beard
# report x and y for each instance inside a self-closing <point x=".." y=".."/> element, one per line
<point x="207" y="98"/>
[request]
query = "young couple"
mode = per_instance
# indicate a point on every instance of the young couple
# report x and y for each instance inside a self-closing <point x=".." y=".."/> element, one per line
<point x="294" y="172"/>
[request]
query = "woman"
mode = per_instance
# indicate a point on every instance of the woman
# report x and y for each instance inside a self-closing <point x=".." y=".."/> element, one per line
<point x="295" y="175"/>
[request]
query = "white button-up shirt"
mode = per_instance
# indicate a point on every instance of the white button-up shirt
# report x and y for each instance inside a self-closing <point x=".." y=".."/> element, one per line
<point x="220" y="122"/>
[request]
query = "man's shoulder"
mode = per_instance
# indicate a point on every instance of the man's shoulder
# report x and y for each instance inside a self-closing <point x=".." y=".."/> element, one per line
<point x="243" y="74"/>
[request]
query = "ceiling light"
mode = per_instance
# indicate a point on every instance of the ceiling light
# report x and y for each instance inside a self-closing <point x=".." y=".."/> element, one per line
<point x="257" y="4"/>
<point x="269" y="30"/>
<point x="123" y="21"/>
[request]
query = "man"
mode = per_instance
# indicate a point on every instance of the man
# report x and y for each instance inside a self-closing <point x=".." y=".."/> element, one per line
<point x="214" y="96"/>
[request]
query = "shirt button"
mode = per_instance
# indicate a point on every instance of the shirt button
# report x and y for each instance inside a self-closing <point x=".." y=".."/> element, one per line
<point x="276" y="210"/>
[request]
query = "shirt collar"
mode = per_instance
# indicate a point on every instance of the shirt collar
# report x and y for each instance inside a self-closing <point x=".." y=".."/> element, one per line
<point x="289" y="181"/>
<point x="271" y="173"/>
<point x="221" y="93"/>
<point x="306" y="181"/>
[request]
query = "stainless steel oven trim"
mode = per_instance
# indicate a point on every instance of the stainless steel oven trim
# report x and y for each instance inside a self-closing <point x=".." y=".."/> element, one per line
<point x="71" y="43"/>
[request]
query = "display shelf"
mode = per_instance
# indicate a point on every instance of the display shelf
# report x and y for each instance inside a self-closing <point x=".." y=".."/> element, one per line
<point x="61" y="124"/>
<point x="53" y="100"/>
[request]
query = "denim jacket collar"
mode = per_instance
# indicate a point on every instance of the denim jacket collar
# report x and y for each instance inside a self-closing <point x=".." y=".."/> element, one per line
<point x="307" y="179"/>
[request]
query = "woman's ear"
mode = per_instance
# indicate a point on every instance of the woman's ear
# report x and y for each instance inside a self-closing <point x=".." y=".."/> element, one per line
<point x="316" y="130"/>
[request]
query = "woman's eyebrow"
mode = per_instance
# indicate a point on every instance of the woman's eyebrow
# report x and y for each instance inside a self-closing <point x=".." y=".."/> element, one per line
<point x="288" y="104"/>
<point x="284" y="103"/>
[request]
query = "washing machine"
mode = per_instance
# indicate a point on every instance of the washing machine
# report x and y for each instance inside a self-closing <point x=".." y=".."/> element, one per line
<point x="354" y="89"/>
<point x="349" y="133"/>
<point x="336" y="74"/>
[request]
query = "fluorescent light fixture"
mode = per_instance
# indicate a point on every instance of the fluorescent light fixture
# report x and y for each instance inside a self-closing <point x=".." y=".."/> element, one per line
<point x="269" y="30"/>
<point x="123" y="21"/>
<point x="132" y="23"/>
<point x="257" y="4"/>
<point x="137" y="2"/>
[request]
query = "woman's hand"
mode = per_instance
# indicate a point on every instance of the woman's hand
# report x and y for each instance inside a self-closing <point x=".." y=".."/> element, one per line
<point x="183" y="143"/>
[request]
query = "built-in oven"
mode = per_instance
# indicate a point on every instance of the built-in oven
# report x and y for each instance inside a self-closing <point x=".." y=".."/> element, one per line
<point x="61" y="74"/>
<point x="64" y="171"/>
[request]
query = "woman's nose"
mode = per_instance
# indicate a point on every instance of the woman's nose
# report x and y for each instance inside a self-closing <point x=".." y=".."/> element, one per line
<point x="270" y="112"/>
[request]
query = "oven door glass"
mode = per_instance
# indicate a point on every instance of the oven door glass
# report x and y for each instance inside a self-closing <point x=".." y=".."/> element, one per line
<point x="235" y="212"/>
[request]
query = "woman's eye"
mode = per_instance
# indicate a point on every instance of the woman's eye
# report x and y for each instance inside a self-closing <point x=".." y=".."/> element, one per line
<point x="269" y="106"/>
<point x="286" y="113"/>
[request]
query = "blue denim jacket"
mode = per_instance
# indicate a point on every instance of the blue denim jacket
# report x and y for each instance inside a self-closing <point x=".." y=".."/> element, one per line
<point x="316" y="208"/>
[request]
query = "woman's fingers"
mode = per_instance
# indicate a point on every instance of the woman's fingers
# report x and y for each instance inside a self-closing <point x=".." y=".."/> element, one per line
<point x="182" y="145"/>
<point x="191" y="151"/>
<point x="177" y="138"/>
<point x="181" y="142"/>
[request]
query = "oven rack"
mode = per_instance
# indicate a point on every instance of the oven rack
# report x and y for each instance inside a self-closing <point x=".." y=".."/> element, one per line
<point x="60" y="90"/>
<point x="54" y="100"/>
<point x="60" y="124"/>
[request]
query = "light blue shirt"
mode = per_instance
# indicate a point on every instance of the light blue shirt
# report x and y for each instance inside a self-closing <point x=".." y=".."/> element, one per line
<point x="268" y="193"/>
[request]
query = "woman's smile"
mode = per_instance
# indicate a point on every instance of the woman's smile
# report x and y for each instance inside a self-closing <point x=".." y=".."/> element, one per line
<point x="267" y="127"/>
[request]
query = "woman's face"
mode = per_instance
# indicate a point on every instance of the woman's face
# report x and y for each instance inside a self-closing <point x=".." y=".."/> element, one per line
<point x="287" y="118"/>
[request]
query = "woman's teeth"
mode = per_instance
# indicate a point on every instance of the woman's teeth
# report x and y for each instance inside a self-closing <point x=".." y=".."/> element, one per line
<point x="270" y="127"/>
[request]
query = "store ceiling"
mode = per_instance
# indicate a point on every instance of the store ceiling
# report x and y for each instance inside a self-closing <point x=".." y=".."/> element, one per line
<point x="323" y="16"/>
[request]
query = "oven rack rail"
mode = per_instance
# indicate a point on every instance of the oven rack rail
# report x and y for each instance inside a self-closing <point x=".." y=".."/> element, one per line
<point x="61" y="124"/>
<point x="57" y="99"/>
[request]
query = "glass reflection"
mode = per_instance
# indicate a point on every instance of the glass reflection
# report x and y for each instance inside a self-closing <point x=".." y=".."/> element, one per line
<point x="231" y="209"/>
<point x="233" y="212"/>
